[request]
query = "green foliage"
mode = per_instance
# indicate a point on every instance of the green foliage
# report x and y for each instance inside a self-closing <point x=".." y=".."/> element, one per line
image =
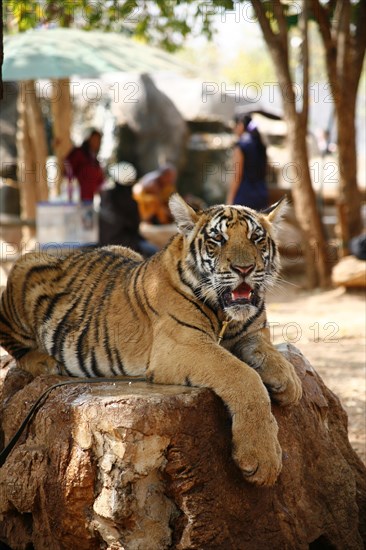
<point x="23" y="15"/>
<point x="166" y="23"/>
<point x="163" y="22"/>
<point x="290" y="10"/>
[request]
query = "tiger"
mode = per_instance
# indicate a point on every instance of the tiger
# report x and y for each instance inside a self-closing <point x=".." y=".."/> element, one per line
<point x="108" y="312"/>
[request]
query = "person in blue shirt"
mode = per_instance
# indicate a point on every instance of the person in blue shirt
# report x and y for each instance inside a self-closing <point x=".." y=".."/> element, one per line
<point x="248" y="186"/>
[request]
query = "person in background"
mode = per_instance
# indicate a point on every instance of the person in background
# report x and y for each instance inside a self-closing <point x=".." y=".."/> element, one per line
<point x="152" y="194"/>
<point x="82" y="163"/>
<point x="248" y="186"/>
<point x="118" y="215"/>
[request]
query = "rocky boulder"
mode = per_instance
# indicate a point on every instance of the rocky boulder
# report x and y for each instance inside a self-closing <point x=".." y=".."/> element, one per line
<point x="350" y="272"/>
<point x="148" y="467"/>
<point x="156" y="128"/>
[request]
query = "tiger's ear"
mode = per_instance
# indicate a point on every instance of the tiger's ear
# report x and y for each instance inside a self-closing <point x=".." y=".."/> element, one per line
<point x="277" y="211"/>
<point x="185" y="217"/>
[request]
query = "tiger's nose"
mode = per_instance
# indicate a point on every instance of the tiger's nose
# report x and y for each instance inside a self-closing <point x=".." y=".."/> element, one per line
<point x="243" y="269"/>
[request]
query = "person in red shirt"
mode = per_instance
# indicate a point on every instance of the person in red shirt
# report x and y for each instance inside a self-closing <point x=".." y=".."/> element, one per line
<point x="82" y="163"/>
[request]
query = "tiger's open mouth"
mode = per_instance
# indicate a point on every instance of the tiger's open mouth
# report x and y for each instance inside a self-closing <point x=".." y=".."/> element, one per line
<point x="242" y="295"/>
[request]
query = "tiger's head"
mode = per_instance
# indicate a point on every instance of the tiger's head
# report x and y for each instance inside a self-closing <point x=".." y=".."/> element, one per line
<point x="229" y="254"/>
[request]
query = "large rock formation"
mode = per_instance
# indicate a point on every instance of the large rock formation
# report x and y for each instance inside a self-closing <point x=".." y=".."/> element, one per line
<point x="148" y="467"/>
<point x="156" y="132"/>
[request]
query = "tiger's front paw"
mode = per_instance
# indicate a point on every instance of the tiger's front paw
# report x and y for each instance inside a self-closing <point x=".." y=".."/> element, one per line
<point x="257" y="451"/>
<point x="281" y="381"/>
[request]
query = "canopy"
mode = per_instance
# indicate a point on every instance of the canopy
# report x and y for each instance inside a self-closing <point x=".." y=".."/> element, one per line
<point x="61" y="53"/>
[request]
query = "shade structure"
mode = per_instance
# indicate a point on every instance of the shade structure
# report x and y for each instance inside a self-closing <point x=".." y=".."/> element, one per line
<point x="61" y="53"/>
<point x="58" y="54"/>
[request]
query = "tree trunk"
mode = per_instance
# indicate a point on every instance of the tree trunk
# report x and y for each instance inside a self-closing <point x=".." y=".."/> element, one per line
<point x="37" y="137"/>
<point x="32" y="154"/>
<point x="26" y="169"/>
<point x="1" y="53"/>
<point x="318" y="269"/>
<point x="349" y="193"/>
<point x="344" y="43"/>
<point x="315" y="250"/>
<point x="62" y="119"/>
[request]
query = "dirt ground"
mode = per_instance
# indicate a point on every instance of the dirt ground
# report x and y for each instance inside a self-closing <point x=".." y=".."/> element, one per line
<point x="329" y="328"/>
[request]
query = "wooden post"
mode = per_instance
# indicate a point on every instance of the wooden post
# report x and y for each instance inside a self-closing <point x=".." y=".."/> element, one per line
<point x="62" y="119"/>
<point x="26" y="170"/>
<point x="32" y="154"/>
<point x="37" y="137"/>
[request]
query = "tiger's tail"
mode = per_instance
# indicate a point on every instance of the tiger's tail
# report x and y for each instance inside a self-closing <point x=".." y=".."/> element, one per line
<point x="14" y="338"/>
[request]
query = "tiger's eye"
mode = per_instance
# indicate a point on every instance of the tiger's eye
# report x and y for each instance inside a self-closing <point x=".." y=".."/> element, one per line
<point x="257" y="234"/>
<point x="219" y="238"/>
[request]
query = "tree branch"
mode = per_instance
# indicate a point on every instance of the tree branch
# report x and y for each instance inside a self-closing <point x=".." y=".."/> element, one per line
<point x="279" y="55"/>
<point x="268" y="33"/>
<point x="344" y="68"/>
<point x="321" y="16"/>
<point x="323" y="20"/>
<point x="278" y="10"/>
<point x="359" y="42"/>
<point x="305" y="61"/>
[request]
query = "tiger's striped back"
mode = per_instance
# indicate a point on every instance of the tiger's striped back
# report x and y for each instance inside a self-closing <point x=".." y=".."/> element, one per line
<point x="57" y="306"/>
<point x="97" y="312"/>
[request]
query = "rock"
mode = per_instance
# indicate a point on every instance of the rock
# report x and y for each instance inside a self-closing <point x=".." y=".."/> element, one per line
<point x="350" y="272"/>
<point x="158" y="129"/>
<point x="148" y="467"/>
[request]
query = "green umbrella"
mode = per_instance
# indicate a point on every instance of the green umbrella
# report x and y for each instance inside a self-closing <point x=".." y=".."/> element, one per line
<point x="60" y="53"/>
